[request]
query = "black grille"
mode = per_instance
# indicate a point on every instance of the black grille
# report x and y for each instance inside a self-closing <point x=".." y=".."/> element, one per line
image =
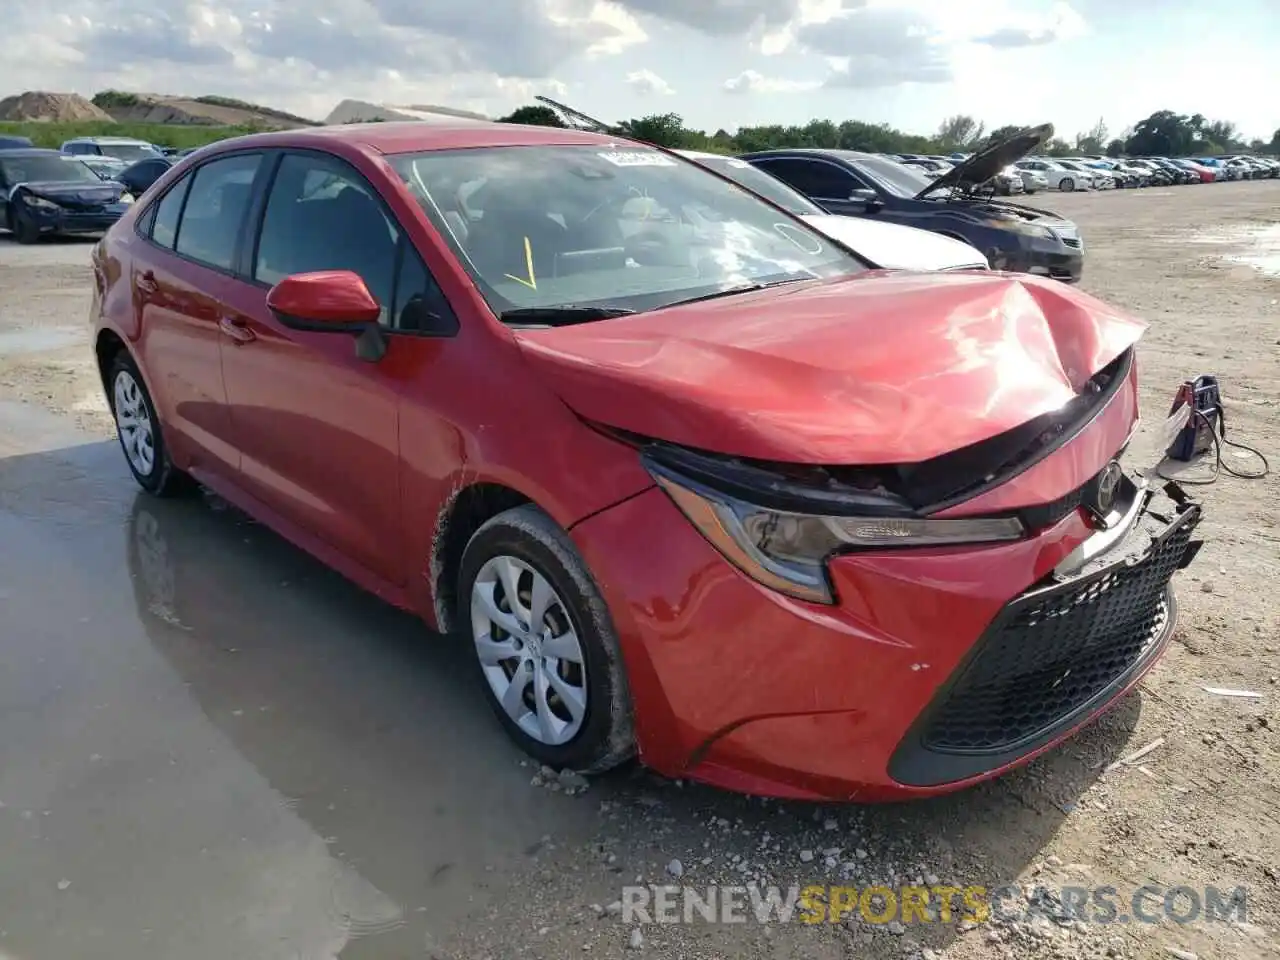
<point x="1071" y="241"/>
<point x="1053" y="651"/>
<point x="1047" y="514"/>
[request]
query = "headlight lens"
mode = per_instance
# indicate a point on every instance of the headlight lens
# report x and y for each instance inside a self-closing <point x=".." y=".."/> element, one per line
<point x="40" y="203"/>
<point x="126" y="198"/>
<point x="1024" y="227"/>
<point x="788" y="551"/>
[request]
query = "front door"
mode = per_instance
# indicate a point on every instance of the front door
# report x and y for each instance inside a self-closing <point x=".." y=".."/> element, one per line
<point x="318" y="428"/>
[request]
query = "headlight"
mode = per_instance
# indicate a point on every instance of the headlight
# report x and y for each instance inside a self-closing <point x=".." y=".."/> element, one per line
<point x="126" y="198"/>
<point x="40" y="203"/>
<point x="1024" y="227"/>
<point x="788" y="551"/>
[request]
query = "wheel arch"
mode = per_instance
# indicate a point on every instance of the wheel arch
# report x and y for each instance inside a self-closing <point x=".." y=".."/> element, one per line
<point x="107" y="345"/>
<point x="468" y="507"/>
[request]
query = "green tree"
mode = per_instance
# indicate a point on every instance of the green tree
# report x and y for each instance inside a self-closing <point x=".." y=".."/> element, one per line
<point x="1115" y="148"/>
<point x="960" y="132"/>
<point x="1004" y="133"/>
<point x="534" y="115"/>
<point x="1093" y="140"/>
<point x="663" y="129"/>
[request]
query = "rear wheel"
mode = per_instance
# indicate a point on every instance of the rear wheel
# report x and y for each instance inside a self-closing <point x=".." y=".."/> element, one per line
<point x="545" y="645"/>
<point x="139" y="432"/>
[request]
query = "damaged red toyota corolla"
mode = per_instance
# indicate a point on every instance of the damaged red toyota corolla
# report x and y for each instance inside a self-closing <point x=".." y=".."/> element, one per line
<point x="690" y="480"/>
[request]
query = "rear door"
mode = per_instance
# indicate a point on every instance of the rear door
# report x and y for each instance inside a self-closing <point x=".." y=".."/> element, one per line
<point x="183" y="275"/>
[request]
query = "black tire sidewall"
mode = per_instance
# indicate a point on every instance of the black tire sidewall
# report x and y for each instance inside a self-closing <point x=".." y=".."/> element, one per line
<point x="25" y="230"/>
<point x="597" y="744"/>
<point x="162" y="476"/>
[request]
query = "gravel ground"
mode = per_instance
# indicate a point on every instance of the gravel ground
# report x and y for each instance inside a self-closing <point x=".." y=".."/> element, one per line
<point x="1199" y="809"/>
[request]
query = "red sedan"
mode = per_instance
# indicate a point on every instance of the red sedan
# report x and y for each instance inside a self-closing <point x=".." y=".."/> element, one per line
<point x="688" y="477"/>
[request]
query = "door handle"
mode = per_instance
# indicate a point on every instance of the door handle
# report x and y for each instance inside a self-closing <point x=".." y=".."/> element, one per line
<point x="236" y="330"/>
<point x="146" y="282"/>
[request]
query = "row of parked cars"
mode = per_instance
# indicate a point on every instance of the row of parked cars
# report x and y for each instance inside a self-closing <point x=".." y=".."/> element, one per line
<point x="1033" y="174"/>
<point x="83" y="187"/>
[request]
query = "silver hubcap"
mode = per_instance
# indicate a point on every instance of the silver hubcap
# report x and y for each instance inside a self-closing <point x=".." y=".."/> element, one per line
<point x="133" y="421"/>
<point x="529" y="651"/>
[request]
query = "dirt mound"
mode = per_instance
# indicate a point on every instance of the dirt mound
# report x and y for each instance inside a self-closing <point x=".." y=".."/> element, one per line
<point x="196" y="111"/>
<point x="54" y="107"/>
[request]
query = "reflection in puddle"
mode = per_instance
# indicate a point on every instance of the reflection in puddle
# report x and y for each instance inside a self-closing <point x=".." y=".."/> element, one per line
<point x="1260" y="246"/>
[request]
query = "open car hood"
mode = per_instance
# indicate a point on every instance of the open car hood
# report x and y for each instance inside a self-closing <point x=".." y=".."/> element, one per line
<point x="881" y="368"/>
<point x="989" y="161"/>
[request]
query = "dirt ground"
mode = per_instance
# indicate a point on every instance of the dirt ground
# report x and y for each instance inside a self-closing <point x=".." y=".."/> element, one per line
<point x="1200" y="809"/>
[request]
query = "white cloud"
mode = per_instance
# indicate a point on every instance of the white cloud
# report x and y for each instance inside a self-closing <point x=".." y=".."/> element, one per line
<point x="648" y="83"/>
<point x="751" y="81"/>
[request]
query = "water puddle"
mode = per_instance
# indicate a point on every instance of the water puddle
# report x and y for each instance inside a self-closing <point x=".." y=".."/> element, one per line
<point x="38" y="340"/>
<point x="1256" y="247"/>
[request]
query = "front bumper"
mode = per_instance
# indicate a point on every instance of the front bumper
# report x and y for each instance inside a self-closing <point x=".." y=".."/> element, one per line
<point x="66" y="221"/>
<point x="1058" y="260"/>
<point x="743" y="688"/>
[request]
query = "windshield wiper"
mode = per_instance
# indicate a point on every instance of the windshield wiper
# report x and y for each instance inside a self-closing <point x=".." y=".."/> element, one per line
<point x="561" y="316"/>
<point x="734" y="291"/>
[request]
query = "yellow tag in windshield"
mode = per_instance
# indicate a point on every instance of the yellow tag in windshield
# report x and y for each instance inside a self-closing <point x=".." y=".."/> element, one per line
<point x="532" y="281"/>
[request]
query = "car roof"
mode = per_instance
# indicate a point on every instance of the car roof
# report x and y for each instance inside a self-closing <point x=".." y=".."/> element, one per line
<point x="108" y="140"/>
<point x="413" y="136"/>
<point x="31" y="152"/>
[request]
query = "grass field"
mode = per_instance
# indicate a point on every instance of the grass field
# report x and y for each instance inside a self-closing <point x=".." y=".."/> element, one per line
<point x="47" y="134"/>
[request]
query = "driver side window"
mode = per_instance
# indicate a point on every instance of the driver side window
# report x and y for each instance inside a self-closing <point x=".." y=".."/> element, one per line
<point x="816" y="179"/>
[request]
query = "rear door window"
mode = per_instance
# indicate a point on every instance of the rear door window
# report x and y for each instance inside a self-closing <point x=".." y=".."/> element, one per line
<point x="813" y="178"/>
<point x="164" y="225"/>
<point x="215" y="209"/>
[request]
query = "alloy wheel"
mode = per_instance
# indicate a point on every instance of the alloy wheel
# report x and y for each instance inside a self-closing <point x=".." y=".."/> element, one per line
<point x="133" y="421"/>
<point x="529" y="650"/>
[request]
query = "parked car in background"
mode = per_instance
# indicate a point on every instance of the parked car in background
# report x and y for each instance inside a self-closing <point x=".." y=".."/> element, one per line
<point x="14" y="142"/>
<point x="1206" y="174"/>
<point x="1087" y="177"/>
<point x="740" y="508"/>
<point x="1007" y="182"/>
<point x="1179" y="174"/>
<point x="139" y="176"/>
<point x="1224" y="170"/>
<point x="1033" y="181"/>
<point x="884" y="244"/>
<point x="929" y="167"/>
<point x="1056" y="176"/>
<point x="1013" y="237"/>
<point x="122" y="148"/>
<point x="108" y="168"/>
<point x="44" y="192"/>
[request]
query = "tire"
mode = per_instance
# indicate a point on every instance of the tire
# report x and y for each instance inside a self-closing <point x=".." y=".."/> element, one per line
<point x="521" y="545"/>
<point x="1067" y="184"/>
<point x="139" y="431"/>
<point x="25" y="230"/>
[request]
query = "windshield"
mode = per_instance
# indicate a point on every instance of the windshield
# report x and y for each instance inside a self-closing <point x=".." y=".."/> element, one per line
<point x="757" y="181"/>
<point x="127" y="151"/>
<point x="49" y="168"/>
<point x="896" y="178"/>
<point x="631" y="228"/>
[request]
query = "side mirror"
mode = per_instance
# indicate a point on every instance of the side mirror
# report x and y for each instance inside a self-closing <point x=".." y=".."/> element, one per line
<point x="867" y="197"/>
<point x="331" y="301"/>
<point x="327" y="301"/>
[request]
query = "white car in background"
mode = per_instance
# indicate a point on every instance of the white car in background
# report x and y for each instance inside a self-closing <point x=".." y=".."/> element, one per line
<point x="1056" y="176"/>
<point x="1087" y="178"/>
<point x="1033" y="181"/>
<point x="887" y="245"/>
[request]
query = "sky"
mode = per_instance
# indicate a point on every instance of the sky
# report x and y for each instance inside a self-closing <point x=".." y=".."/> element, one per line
<point x="717" y="63"/>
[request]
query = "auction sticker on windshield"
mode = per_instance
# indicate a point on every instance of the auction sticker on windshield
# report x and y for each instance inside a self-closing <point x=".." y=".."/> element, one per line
<point x="637" y="158"/>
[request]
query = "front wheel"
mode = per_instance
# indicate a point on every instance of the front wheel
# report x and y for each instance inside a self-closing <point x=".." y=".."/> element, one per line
<point x="546" y="650"/>
<point x="25" y="230"/>
<point x="139" y="432"/>
<point x="1066" y="184"/>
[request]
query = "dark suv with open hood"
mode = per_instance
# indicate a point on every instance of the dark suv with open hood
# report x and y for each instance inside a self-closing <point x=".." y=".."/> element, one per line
<point x="1014" y="237"/>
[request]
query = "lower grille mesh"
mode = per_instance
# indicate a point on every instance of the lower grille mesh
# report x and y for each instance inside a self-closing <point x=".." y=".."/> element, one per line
<point x="1054" y="650"/>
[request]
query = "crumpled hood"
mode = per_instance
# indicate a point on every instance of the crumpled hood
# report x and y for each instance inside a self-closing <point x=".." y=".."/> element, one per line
<point x="60" y="191"/>
<point x="875" y="369"/>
